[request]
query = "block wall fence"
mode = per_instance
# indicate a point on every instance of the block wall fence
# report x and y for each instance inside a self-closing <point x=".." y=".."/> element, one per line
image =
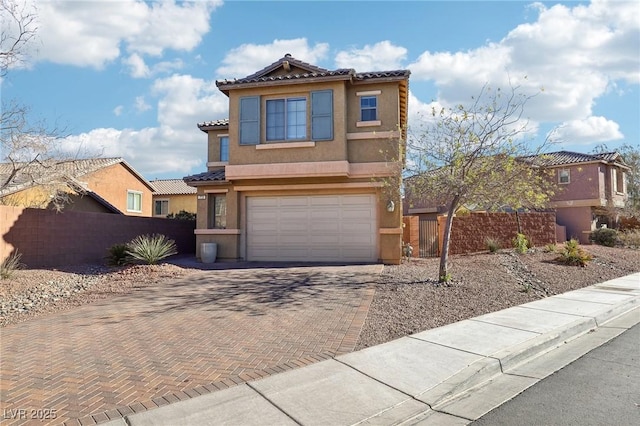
<point x="469" y="233"/>
<point x="46" y="238"/>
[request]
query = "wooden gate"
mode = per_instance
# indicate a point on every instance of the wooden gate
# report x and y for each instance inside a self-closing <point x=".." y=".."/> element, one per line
<point x="428" y="237"/>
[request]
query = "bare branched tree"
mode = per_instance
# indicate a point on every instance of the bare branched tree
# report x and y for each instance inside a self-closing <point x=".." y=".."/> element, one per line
<point x="29" y="149"/>
<point x="472" y="156"/>
<point x="18" y="24"/>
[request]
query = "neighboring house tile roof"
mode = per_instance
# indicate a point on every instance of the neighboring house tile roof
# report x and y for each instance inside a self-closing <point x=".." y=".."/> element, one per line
<point x="172" y="187"/>
<point x="310" y="71"/>
<point x="34" y="174"/>
<point x="561" y="158"/>
<point x="213" y="176"/>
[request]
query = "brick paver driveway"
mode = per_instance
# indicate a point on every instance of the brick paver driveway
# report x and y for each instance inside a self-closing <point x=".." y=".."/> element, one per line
<point x="179" y="339"/>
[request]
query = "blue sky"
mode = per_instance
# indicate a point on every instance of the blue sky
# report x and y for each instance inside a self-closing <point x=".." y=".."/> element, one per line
<point x="132" y="78"/>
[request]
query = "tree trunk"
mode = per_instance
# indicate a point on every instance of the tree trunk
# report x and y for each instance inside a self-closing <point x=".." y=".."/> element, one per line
<point x="443" y="274"/>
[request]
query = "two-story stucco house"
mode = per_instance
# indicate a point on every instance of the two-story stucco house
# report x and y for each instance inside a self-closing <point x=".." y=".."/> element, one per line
<point x="306" y="167"/>
<point x="588" y="187"/>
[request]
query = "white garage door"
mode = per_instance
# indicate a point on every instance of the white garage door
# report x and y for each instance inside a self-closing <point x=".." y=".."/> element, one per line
<point x="326" y="228"/>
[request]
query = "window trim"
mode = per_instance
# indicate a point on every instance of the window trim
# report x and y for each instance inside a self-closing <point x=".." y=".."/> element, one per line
<point x="162" y="200"/>
<point x="374" y="109"/>
<point x="286" y="100"/>
<point x="560" y="173"/>
<point x="134" y="192"/>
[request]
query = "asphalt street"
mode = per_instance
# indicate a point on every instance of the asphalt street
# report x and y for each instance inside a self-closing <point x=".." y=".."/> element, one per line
<point x="601" y="388"/>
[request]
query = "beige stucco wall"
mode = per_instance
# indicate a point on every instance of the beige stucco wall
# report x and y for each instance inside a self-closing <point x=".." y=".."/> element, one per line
<point x="213" y="144"/>
<point x="333" y="150"/>
<point x="178" y="202"/>
<point x="112" y="184"/>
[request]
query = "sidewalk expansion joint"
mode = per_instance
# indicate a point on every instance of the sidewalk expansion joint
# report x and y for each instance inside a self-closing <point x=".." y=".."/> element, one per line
<point x="446" y="346"/>
<point x="383" y="383"/>
<point x="506" y="326"/>
<point x="274" y="404"/>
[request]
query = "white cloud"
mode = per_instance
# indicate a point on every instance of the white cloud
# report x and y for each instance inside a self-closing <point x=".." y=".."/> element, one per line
<point x="91" y="33"/>
<point x="140" y="105"/>
<point x="136" y="66"/>
<point x="249" y="58"/>
<point x="575" y="53"/>
<point x="177" y="145"/>
<point x="382" y="56"/>
<point x="117" y="111"/>
<point x="588" y="131"/>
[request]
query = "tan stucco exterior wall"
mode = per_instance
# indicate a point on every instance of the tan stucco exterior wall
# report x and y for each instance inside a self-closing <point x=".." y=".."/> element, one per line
<point x="112" y="184"/>
<point x="178" y="202"/>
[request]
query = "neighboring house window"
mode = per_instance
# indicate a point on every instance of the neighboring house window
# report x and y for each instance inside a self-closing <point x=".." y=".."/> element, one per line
<point x="286" y="119"/>
<point x="224" y="148"/>
<point x="618" y="181"/>
<point x="134" y="201"/>
<point x="217" y="211"/>
<point x="161" y="208"/>
<point x="368" y="108"/>
<point x="563" y="176"/>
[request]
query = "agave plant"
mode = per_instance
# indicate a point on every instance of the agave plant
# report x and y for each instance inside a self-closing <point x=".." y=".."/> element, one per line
<point x="9" y="265"/>
<point x="151" y="248"/>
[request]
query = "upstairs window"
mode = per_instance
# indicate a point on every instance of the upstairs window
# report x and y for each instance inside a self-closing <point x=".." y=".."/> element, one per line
<point x="217" y="212"/>
<point x="161" y="208"/>
<point x="563" y="176"/>
<point x="134" y="201"/>
<point x="368" y="108"/>
<point x="224" y="148"/>
<point x="287" y="119"/>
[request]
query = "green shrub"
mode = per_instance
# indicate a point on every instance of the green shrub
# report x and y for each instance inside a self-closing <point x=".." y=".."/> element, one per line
<point x="520" y="243"/>
<point x="550" y="248"/>
<point x="604" y="237"/>
<point x="9" y="265"/>
<point x="182" y="215"/>
<point x="572" y="254"/>
<point x="151" y="248"/>
<point x="630" y="238"/>
<point x="117" y="255"/>
<point x="492" y="244"/>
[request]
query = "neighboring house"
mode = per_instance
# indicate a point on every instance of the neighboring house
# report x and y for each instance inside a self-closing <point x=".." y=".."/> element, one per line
<point x="589" y="187"/>
<point x="307" y="167"/>
<point x="99" y="185"/>
<point x="173" y="196"/>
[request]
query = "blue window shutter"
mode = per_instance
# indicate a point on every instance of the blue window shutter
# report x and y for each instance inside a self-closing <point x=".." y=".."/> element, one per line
<point x="322" y="115"/>
<point x="250" y="120"/>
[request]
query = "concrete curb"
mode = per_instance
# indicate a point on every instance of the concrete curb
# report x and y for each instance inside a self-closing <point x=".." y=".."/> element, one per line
<point x="449" y="375"/>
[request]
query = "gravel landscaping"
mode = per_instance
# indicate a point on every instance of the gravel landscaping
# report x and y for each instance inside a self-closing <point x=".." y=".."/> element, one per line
<point x="407" y="299"/>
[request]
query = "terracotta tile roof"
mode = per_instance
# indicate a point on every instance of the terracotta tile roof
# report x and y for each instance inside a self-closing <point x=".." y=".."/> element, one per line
<point x="35" y="173"/>
<point x="213" y="176"/>
<point x="310" y="71"/>
<point x="561" y="158"/>
<point x="172" y="187"/>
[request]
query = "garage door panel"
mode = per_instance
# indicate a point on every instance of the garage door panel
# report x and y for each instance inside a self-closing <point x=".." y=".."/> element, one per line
<point x="312" y="228"/>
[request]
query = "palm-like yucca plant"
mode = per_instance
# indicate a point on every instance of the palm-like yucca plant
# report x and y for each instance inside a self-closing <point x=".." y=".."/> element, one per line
<point x="151" y="248"/>
<point x="9" y="265"/>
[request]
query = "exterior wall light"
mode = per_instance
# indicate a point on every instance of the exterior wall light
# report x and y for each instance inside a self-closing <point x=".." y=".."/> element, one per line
<point x="391" y="206"/>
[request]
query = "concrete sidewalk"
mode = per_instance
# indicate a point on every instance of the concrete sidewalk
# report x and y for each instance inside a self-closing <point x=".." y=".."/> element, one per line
<point x="448" y="375"/>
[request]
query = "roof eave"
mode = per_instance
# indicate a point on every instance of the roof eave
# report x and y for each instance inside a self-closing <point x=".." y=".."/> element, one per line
<point x="226" y="87"/>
